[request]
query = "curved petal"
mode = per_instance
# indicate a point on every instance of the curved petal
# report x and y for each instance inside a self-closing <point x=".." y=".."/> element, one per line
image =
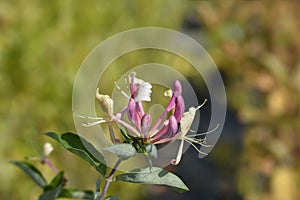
<point x="143" y="92"/>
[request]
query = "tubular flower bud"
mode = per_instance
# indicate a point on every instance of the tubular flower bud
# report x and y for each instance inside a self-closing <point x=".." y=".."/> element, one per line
<point x="177" y="88"/>
<point x="175" y="94"/>
<point x="145" y="124"/>
<point x="131" y="111"/>
<point x="171" y="104"/>
<point x="105" y="102"/>
<point x="133" y="114"/>
<point x="167" y="132"/>
<point x="173" y="127"/>
<point x="133" y="86"/>
<point x="179" y="108"/>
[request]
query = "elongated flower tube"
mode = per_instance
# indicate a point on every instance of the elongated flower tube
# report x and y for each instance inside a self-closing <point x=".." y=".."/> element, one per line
<point x="132" y="115"/>
<point x="135" y="114"/>
<point x="168" y="131"/>
<point x="177" y="88"/>
<point x="173" y="127"/>
<point x="179" y="108"/>
<point x="145" y="124"/>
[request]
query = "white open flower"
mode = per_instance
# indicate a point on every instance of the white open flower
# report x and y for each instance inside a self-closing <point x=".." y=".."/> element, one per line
<point x="185" y="124"/>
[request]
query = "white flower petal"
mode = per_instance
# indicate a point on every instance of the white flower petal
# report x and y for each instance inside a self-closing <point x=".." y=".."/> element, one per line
<point x="144" y="92"/>
<point x="48" y="148"/>
<point x="138" y="81"/>
<point x="187" y="120"/>
<point x="185" y="124"/>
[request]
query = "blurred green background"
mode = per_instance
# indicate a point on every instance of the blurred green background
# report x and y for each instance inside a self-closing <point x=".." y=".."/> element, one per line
<point x="255" y="44"/>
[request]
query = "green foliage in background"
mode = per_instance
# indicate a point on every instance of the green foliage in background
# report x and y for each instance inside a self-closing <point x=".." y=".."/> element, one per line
<point x="42" y="45"/>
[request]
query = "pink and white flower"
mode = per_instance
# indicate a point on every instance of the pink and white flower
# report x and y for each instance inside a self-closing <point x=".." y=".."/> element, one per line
<point x="175" y="127"/>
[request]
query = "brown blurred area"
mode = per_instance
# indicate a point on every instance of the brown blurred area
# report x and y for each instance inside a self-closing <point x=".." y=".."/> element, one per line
<point x="255" y="45"/>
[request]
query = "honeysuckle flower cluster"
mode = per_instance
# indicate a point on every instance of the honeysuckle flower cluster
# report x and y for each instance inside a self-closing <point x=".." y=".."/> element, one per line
<point x="137" y="131"/>
<point x="173" y="123"/>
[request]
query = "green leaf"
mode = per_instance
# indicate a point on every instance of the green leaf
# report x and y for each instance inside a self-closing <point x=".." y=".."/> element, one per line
<point x="76" y="194"/>
<point x="32" y="172"/>
<point x="156" y="176"/>
<point x="111" y="198"/>
<point x="51" y="194"/>
<point x="152" y="150"/>
<point x="56" y="181"/>
<point x="82" y="148"/>
<point x="52" y="191"/>
<point x="98" y="182"/>
<point x="124" y="151"/>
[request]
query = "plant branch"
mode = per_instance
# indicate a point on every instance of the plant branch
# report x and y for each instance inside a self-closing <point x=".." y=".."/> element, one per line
<point x="50" y="164"/>
<point x="109" y="179"/>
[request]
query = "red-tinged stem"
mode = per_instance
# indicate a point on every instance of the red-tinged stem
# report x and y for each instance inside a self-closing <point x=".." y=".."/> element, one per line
<point x="112" y="135"/>
<point x="50" y="164"/>
<point x="109" y="179"/>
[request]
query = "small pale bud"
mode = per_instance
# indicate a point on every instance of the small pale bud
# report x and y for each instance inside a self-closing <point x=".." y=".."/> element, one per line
<point x="168" y="93"/>
<point x="48" y="148"/>
<point x="106" y="103"/>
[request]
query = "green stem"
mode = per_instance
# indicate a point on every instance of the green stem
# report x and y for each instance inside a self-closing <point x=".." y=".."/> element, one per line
<point x="109" y="179"/>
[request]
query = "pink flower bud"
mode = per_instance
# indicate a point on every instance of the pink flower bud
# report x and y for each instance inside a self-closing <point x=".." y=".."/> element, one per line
<point x="171" y="104"/>
<point x="133" y="86"/>
<point x="145" y="124"/>
<point x="177" y="92"/>
<point x="168" y="131"/>
<point x="179" y="108"/>
<point x="172" y="127"/>
<point x="177" y="88"/>
<point x="131" y="111"/>
<point x="133" y="114"/>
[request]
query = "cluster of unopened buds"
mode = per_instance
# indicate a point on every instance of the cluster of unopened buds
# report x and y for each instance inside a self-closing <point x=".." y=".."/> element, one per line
<point x="173" y="123"/>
